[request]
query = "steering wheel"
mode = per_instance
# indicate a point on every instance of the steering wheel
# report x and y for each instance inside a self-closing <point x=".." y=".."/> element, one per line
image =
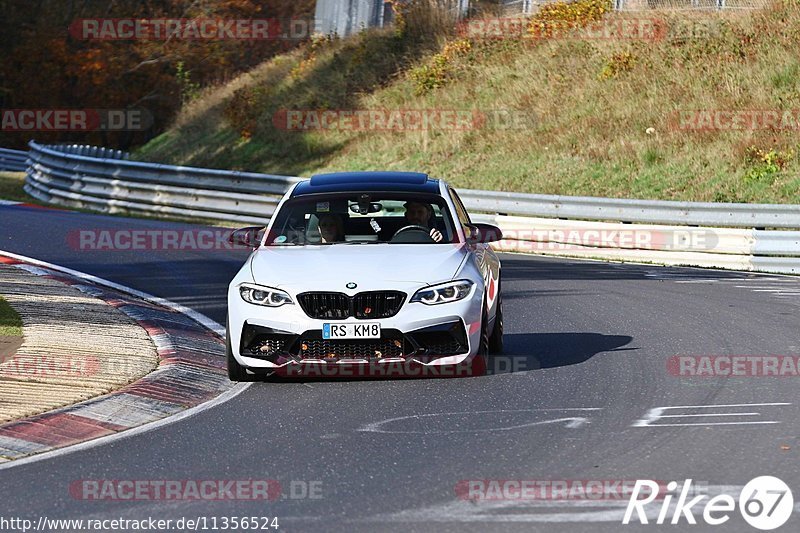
<point x="412" y="234"/>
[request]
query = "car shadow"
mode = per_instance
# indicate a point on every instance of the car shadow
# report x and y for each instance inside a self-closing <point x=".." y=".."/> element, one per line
<point x="540" y="268"/>
<point x="534" y="351"/>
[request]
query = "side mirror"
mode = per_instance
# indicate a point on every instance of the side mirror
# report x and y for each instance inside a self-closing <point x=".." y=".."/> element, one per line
<point x="249" y="237"/>
<point x="483" y="233"/>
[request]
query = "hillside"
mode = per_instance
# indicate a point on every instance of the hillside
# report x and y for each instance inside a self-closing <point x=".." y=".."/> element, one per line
<point x="685" y="106"/>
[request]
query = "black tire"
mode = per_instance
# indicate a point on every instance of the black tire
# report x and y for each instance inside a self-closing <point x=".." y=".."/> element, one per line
<point x="236" y="372"/>
<point x="480" y="363"/>
<point x="496" y="338"/>
<point x="483" y="347"/>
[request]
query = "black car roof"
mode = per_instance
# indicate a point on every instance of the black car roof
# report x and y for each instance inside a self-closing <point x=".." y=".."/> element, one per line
<point x="415" y="182"/>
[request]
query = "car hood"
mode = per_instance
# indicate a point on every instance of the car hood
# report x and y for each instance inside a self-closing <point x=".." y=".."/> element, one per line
<point x="370" y="266"/>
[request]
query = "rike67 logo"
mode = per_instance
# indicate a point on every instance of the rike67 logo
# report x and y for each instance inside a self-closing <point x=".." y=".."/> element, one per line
<point x="765" y="503"/>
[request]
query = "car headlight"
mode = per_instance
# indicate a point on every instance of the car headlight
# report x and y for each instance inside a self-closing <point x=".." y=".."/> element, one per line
<point x="266" y="296"/>
<point x="452" y="291"/>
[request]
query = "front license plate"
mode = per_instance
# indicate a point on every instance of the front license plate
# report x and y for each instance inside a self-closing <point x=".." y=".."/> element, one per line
<point x="367" y="330"/>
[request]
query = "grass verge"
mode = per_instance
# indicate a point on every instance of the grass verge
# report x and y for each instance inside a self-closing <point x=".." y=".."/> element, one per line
<point x="10" y="322"/>
<point x="11" y="184"/>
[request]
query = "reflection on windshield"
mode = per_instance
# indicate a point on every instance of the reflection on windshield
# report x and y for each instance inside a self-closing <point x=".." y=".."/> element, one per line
<point x="362" y="219"/>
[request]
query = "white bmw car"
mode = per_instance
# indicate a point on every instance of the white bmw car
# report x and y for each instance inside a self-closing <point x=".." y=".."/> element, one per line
<point x="365" y="270"/>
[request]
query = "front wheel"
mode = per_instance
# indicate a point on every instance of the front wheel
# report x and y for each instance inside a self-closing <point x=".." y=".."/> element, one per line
<point x="480" y="363"/>
<point x="496" y="338"/>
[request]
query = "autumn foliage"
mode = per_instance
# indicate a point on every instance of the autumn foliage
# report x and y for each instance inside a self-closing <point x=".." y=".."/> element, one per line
<point x="44" y="67"/>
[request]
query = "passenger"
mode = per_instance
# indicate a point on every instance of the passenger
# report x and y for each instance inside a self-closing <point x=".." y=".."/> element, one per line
<point x="331" y="228"/>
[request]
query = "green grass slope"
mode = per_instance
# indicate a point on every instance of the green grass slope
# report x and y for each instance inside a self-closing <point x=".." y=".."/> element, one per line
<point x="602" y="114"/>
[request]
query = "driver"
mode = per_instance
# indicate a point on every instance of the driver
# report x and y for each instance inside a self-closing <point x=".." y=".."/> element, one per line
<point x="421" y="214"/>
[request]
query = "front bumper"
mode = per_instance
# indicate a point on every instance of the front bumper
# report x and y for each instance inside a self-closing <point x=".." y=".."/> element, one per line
<point x="424" y="345"/>
<point x="280" y="338"/>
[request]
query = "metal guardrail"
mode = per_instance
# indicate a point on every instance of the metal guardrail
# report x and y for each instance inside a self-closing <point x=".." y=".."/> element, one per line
<point x="70" y="176"/>
<point x="640" y="211"/>
<point x="92" y="151"/>
<point x="91" y="177"/>
<point x="13" y="160"/>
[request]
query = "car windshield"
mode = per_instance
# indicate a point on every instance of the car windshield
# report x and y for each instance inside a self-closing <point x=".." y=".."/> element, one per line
<point x="362" y="218"/>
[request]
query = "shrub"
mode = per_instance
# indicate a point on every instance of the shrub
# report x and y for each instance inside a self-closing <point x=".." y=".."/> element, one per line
<point x="618" y="63"/>
<point x="189" y="89"/>
<point x="557" y="17"/>
<point x="439" y="68"/>
<point x="318" y="42"/>
<point x="765" y="164"/>
<point x="425" y="20"/>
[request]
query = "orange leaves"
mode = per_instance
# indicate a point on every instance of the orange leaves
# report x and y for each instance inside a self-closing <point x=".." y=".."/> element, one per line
<point x="557" y="17"/>
<point x="45" y="66"/>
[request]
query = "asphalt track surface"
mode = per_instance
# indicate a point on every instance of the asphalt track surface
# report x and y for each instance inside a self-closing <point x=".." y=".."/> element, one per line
<point x="590" y="342"/>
